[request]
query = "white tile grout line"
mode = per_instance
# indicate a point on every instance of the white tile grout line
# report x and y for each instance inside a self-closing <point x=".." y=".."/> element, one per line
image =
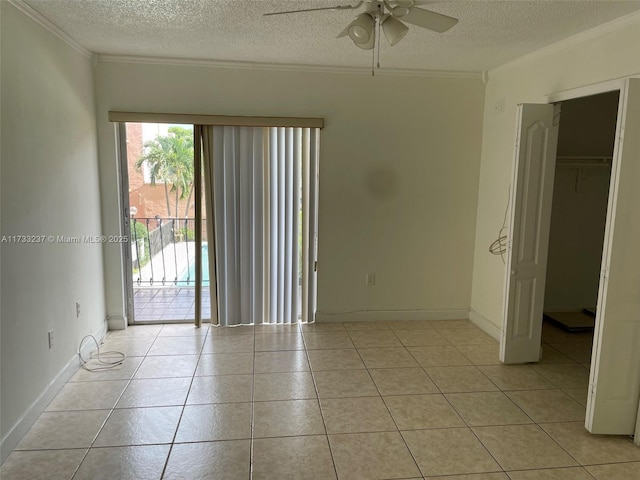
<point x="175" y="434"/>
<point x="324" y="422"/>
<point x="113" y="408"/>
<point x="252" y="419"/>
<point x="306" y="350"/>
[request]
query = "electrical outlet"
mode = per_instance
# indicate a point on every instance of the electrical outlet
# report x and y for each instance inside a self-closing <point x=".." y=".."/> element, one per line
<point x="50" y="339"/>
<point x="371" y="279"/>
<point x="77" y="309"/>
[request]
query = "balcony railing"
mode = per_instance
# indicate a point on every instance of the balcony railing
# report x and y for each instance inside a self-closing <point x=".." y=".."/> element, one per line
<point x="163" y="252"/>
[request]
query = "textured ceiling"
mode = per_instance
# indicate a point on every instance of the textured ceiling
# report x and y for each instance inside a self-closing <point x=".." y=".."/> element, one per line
<point x="488" y="34"/>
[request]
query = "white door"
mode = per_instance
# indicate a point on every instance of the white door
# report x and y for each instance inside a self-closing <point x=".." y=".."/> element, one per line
<point x="528" y="236"/>
<point x="614" y="385"/>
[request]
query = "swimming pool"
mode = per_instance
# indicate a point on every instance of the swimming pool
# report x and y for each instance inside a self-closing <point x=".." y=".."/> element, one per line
<point x="188" y="275"/>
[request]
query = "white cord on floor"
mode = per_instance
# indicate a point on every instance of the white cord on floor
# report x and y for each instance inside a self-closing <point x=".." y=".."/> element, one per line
<point x="117" y="357"/>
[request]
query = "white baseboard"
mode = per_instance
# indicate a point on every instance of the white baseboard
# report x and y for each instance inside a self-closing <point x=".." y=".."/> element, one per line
<point x="31" y="414"/>
<point x="117" y="322"/>
<point x="389" y="315"/>
<point x="485" y="324"/>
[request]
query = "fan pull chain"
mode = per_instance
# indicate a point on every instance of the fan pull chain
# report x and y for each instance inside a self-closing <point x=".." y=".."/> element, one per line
<point x="378" y="39"/>
<point x="376" y="44"/>
<point x="373" y="55"/>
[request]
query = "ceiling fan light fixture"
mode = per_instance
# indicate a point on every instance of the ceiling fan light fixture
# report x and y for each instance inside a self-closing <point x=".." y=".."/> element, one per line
<point x="361" y="30"/>
<point x="400" y="11"/>
<point x="369" y="45"/>
<point x="394" y="29"/>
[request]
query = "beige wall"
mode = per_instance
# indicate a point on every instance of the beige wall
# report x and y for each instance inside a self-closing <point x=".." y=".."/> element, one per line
<point x="49" y="187"/>
<point x="575" y="63"/>
<point x="398" y="173"/>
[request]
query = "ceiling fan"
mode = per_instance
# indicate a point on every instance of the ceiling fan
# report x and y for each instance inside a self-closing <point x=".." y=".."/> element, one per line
<point x="388" y="14"/>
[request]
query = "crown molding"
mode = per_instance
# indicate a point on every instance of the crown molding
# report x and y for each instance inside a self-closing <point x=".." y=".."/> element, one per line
<point x="235" y="65"/>
<point x="103" y="58"/>
<point x="592" y="33"/>
<point x="51" y="27"/>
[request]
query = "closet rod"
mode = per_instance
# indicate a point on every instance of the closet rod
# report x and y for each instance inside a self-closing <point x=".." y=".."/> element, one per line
<point x="583" y="161"/>
<point x="583" y="157"/>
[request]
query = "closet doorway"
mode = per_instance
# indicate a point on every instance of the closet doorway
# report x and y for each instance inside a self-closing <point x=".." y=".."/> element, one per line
<point x="614" y="384"/>
<point x="586" y="141"/>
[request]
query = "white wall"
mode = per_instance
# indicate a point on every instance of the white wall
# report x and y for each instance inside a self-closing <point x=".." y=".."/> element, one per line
<point x="49" y="187"/>
<point x="399" y="164"/>
<point x="596" y="57"/>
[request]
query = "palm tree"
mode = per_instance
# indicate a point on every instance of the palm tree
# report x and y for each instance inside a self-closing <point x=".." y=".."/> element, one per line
<point x="170" y="161"/>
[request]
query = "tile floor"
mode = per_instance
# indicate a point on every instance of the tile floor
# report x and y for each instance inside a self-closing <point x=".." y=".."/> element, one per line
<point x="385" y="400"/>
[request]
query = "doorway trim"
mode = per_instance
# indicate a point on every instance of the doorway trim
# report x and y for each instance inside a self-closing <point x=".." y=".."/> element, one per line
<point x="586" y="91"/>
<point x="551" y="99"/>
<point x="620" y="85"/>
<point x="125" y="218"/>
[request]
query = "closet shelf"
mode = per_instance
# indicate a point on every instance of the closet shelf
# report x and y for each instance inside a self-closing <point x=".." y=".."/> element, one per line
<point x="583" y="161"/>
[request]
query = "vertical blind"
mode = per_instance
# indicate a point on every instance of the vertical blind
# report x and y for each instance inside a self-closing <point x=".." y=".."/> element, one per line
<point x="261" y="197"/>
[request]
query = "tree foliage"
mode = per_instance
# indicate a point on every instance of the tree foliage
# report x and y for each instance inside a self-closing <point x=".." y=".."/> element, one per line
<point x="170" y="161"/>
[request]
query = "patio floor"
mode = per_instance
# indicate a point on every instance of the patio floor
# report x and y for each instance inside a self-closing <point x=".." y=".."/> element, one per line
<point x="166" y="304"/>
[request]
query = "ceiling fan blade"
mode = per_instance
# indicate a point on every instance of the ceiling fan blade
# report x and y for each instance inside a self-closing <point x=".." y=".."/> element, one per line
<point x="345" y="32"/>
<point x="337" y="7"/>
<point x="427" y="19"/>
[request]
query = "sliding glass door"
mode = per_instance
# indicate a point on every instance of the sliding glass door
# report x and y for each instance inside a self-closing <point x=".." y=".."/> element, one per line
<point x="159" y="216"/>
<point x="221" y="221"/>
